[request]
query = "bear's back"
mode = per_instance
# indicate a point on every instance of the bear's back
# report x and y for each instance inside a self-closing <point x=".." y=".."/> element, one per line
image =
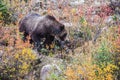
<point x="29" y="22"/>
<point x="34" y="22"/>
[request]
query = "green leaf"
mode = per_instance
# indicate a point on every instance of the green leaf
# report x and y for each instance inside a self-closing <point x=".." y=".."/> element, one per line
<point x="82" y="20"/>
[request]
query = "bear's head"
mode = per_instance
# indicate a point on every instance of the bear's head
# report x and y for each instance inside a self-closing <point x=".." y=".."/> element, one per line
<point x="57" y="28"/>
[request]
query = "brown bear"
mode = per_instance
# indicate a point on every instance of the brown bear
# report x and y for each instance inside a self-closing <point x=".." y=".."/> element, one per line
<point x="39" y="27"/>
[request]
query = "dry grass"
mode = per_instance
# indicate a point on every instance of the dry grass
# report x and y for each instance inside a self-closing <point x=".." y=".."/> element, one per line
<point x="82" y="65"/>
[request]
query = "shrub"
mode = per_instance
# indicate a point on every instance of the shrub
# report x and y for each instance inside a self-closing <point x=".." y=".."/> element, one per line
<point x="104" y="60"/>
<point x="103" y="56"/>
<point x="86" y="29"/>
<point x="16" y="65"/>
<point x="117" y="54"/>
<point x="7" y="15"/>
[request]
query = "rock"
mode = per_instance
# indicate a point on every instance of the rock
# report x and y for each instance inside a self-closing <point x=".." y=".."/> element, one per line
<point x="77" y="2"/>
<point x="68" y="24"/>
<point x="1" y="53"/>
<point x="49" y="69"/>
<point x="44" y="66"/>
<point x="97" y="3"/>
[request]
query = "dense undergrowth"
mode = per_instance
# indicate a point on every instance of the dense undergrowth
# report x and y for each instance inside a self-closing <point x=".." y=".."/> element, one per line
<point x="94" y="52"/>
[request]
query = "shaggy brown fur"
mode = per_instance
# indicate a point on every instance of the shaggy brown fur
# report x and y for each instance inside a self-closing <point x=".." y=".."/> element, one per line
<point x="39" y="27"/>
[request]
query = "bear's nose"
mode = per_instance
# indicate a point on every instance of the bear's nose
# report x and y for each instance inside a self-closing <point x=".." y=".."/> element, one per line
<point x="63" y="36"/>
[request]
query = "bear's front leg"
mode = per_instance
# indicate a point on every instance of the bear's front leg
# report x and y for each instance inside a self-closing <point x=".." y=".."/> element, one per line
<point x="36" y="39"/>
<point x="49" y="39"/>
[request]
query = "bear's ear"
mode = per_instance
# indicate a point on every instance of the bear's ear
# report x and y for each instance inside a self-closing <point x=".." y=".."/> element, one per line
<point x="50" y="17"/>
<point x="62" y="28"/>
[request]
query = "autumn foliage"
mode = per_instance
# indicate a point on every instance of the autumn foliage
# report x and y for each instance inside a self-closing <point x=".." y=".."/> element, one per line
<point x="93" y="31"/>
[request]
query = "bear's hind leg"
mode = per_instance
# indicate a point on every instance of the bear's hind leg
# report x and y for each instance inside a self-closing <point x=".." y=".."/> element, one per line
<point x="25" y="36"/>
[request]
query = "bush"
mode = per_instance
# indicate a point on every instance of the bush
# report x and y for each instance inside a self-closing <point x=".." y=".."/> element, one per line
<point x="104" y="60"/>
<point x="16" y="66"/>
<point x="103" y="56"/>
<point x="6" y="14"/>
